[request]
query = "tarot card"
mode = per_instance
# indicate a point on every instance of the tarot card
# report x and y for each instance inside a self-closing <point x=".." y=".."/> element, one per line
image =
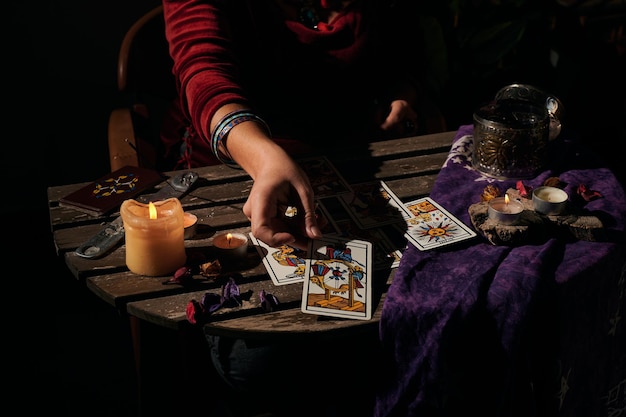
<point x="432" y="226"/>
<point x="285" y="264"/>
<point x="383" y="252"/>
<point x="373" y="204"/>
<point x="324" y="177"/>
<point x="339" y="282"/>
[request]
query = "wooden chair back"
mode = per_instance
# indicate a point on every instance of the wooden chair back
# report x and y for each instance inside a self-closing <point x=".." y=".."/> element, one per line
<point x="146" y="86"/>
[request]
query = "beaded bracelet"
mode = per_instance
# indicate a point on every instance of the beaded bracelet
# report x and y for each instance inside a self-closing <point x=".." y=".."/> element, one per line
<point x="224" y="127"/>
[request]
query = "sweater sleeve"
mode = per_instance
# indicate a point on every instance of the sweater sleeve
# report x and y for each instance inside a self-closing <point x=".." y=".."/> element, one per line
<point x="204" y="66"/>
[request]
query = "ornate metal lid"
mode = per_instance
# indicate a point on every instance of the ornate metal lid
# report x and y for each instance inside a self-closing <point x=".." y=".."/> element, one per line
<point x="512" y="114"/>
<point x="532" y="94"/>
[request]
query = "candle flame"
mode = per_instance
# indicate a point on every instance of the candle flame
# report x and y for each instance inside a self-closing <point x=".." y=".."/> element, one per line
<point x="506" y="199"/>
<point x="229" y="237"/>
<point x="153" y="211"/>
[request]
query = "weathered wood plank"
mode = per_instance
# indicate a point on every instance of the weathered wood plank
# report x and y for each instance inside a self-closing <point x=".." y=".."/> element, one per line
<point x="171" y="311"/>
<point x="416" y="187"/>
<point x="413" y="145"/>
<point x="117" y="288"/>
<point x="290" y="323"/>
<point x="249" y="319"/>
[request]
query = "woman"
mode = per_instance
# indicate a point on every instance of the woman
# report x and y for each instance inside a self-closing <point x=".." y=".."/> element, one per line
<point x="264" y="81"/>
<point x="301" y="76"/>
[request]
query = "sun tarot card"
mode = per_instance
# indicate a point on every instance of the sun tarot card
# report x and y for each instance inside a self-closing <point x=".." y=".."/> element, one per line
<point x="285" y="264"/>
<point x="373" y="204"/>
<point x="324" y="177"/>
<point x="432" y="226"/>
<point x="339" y="282"/>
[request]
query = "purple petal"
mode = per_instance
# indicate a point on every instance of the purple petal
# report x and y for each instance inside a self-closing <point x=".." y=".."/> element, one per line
<point x="268" y="301"/>
<point x="211" y="302"/>
<point x="230" y="293"/>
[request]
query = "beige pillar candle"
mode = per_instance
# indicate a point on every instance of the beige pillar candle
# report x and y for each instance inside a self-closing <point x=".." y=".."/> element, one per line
<point x="154" y="236"/>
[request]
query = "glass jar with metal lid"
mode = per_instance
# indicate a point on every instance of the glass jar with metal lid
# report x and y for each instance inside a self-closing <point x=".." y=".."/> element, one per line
<point x="511" y="134"/>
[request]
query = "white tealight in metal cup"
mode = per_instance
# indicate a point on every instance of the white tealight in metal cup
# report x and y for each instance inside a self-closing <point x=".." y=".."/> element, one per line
<point x="549" y="200"/>
<point x="504" y="211"/>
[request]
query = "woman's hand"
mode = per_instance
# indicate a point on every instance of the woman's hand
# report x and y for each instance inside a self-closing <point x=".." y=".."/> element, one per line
<point x="401" y="119"/>
<point x="280" y="183"/>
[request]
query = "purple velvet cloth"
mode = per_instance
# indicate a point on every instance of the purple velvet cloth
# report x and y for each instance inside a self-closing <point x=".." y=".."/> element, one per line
<point x="531" y="330"/>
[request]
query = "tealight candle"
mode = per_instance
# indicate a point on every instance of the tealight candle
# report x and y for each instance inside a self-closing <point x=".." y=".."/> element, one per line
<point x="231" y="245"/>
<point x="549" y="200"/>
<point x="190" y="222"/>
<point x="503" y="210"/>
<point x="153" y="234"/>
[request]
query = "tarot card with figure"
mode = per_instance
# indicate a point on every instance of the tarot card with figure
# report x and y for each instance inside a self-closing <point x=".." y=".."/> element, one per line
<point x="285" y="264"/>
<point x="339" y="279"/>
<point x="324" y="177"/>
<point x="373" y="204"/>
<point x="432" y="226"/>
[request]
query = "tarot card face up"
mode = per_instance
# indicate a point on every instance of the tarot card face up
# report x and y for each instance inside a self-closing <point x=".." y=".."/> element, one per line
<point x="285" y="264"/>
<point x="339" y="279"/>
<point x="432" y="226"/>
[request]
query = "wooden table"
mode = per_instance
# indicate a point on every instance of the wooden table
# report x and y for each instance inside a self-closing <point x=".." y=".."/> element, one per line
<point x="409" y="166"/>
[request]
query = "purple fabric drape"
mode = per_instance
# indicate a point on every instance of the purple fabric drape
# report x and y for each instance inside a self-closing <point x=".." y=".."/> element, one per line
<point x="529" y="330"/>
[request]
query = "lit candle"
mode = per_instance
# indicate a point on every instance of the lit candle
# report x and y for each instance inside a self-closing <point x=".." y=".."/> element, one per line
<point x="503" y="210"/>
<point x="549" y="200"/>
<point x="231" y="245"/>
<point x="154" y="236"/>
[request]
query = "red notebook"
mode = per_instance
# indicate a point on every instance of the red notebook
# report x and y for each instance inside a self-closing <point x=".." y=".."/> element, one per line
<point x="107" y="193"/>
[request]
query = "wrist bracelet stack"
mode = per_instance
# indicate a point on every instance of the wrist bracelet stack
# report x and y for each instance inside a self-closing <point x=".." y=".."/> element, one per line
<point x="224" y="127"/>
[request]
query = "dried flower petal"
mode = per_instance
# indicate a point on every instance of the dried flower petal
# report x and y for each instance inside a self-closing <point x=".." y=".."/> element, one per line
<point x="587" y="194"/>
<point x="524" y="191"/>
<point x="211" y="269"/>
<point x="182" y="276"/>
<point x="231" y="295"/>
<point x="489" y="192"/>
<point x="268" y="301"/>
<point x="553" y="182"/>
<point x="194" y="312"/>
<point x="197" y="312"/>
<point x="210" y="302"/>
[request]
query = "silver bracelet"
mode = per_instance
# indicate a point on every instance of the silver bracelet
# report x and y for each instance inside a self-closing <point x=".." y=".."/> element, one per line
<point x="224" y="127"/>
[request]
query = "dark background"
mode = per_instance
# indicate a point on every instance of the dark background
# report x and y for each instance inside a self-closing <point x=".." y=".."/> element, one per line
<point x="67" y="352"/>
<point x="60" y="86"/>
<point x="61" y="59"/>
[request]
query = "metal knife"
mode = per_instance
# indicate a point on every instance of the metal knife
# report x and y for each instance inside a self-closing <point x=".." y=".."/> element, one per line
<point x="107" y="238"/>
